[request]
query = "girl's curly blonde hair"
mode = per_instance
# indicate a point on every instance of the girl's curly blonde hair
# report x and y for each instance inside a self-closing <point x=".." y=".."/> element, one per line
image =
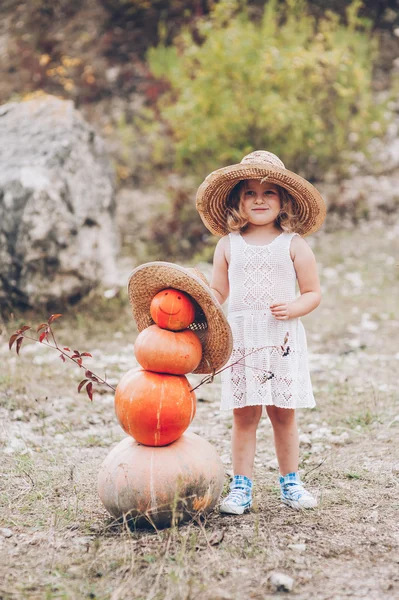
<point x="287" y="219"/>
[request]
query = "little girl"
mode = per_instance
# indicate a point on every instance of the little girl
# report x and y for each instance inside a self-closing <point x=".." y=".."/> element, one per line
<point x="259" y="208"/>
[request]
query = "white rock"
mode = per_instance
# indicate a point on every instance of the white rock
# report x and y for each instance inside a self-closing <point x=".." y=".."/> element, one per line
<point x="297" y="547"/>
<point x="226" y="459"/>
<point x="318" y="448"/>
<point x="5" y="532"/>
<point x="355" y="279"/>
<point x="15" y="445"/>
<point x="305" y="440"/>
<point x="339" y="439"/>
<point x="272" y="465"/>
<point x="311" y="427"/>
<point x="373" y="516"/>
<point x="17" y="415"/>
<point x="322" y="433"/>
<point x="281" y="582"/>
<point x="110" y="293"/>
<point x="330" y="273"/>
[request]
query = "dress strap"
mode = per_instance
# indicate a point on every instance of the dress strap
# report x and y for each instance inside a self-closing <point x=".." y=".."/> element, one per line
<point x="235" y="240"/>
<point x="286" y="239"/>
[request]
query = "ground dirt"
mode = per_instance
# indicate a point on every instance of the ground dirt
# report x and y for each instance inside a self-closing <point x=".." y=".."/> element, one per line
<point x="56" y="539"/>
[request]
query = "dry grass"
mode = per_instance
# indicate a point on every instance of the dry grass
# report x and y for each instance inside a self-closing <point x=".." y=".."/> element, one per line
<point x="63" y="545"/>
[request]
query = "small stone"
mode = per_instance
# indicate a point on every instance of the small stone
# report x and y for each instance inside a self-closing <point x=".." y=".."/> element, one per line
<point x="297" y="547"/>
<point x="318" y="448"/>
<point x="305" y="440"/>
<point x="281" y="582"/>
<point x="394" y="420"/>
<point x="226" y="459"/>
<point x="322" y="433"/>
<point x="272" y="465"/>
<point x="5" y="532"/>
<point x="94" y="420"/>
<point x="111" y="293"/>
<point x="15" y="445"/>
<point x="311" y="427"/>
<point x="17" y="415"/>
<point x="373" y="517"/>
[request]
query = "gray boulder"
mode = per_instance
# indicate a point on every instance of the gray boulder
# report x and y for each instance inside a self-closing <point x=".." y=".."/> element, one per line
<point x="58" y="236"/>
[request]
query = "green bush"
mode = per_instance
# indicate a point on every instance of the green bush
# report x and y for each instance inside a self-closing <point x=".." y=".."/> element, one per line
<point x="288" y="83"/>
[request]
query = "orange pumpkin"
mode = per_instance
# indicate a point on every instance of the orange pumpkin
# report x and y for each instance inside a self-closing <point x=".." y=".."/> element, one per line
<point x="163" y="351"/>
<point x="154" y="408"/>
<point x="172" y="309"/>
<point x="161" y="486"/>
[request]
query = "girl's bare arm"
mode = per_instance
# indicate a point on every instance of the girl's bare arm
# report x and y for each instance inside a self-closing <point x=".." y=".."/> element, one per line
<point x="220" y="280"/>
<point x="308" y="281"/>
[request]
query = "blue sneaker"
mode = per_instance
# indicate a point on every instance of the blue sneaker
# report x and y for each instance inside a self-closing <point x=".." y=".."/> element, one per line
<point x="240" y="497"/>
<point x="293" y="493"/>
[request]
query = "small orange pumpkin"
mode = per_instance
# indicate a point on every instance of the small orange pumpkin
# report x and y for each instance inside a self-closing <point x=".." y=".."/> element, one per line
<point x="172" y="309"/>
<point x="163" y="351"/>
<point x="154" y="408"/>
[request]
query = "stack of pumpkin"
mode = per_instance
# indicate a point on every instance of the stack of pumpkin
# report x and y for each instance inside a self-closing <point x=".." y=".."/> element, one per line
<point x="161" y="476"/>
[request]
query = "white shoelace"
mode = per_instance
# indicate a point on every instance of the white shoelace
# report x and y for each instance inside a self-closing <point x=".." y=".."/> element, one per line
<point x="238" y="496"/>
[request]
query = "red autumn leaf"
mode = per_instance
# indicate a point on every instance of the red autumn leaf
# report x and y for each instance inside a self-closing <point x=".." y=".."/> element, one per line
<point x="82" y="384"/>
<point x="53" y="318"/>
<point x="76" y="352"/>
<point x="41" y="326"/>
<point x="91" y="376"/>
<point x="62" y="357"/>
<point x="67" y="349"/>
<point x="24" y="328"/>
<point x="43" y="336"/>
<point x="89" y="390"/>
<point x="79" y="361"/>
<point x="12" y="340"/>
<point x="19" y="343"/>
<point x="86" y="354"/>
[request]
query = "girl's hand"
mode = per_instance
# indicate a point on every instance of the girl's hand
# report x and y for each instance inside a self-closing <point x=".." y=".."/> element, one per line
<point x="281" y="311"/>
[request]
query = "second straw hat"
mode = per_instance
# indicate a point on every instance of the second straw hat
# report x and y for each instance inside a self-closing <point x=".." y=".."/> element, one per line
<point x="213" y="193"/>
<point x="210" y="324"/>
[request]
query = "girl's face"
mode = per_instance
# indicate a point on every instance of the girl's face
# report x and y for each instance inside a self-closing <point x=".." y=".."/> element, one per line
<point x="260" y="202"/>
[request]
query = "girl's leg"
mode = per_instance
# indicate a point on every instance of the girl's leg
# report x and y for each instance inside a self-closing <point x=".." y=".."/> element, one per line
<point x="243" y="439"/>
<point x="243" y="442"/>
<point x="286" y="439"/>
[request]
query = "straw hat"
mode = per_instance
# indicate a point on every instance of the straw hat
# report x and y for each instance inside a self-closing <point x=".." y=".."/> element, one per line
<point x="210" y="324"/>
<point x="213" y="192"/>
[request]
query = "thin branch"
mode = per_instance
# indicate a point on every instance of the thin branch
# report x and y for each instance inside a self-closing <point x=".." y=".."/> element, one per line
<point x="209" y="378"/>
<point x="65" y="354"/>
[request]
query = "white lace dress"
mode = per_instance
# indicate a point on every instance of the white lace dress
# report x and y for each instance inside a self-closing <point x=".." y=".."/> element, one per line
<point x="260" y="276"/>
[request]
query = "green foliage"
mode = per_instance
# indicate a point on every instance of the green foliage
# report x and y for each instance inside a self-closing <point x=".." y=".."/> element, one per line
<point x="289" y="83"/>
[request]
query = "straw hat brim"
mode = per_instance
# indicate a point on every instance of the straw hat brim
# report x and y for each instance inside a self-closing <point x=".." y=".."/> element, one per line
<point x="210" y="323"/>
<point x="213" y="193"/>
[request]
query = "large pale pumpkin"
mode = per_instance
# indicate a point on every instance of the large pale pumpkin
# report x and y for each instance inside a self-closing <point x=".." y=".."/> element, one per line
<point x="163" y="351"/>
<point x="161" y="486"/>
<point x="172" y="309"/>
<point x="154" y="408"/>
